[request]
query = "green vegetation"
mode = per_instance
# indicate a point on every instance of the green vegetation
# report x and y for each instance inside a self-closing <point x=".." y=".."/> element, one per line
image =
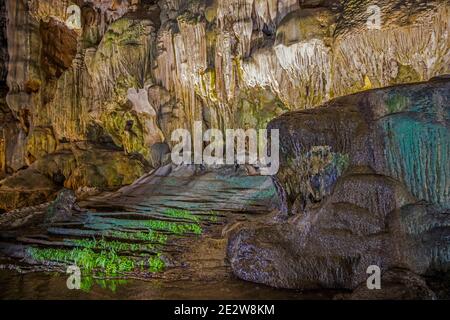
<point x="213" y="216"/>
<point x="102" y="244"/>
<point x="109" y="262"/>
<point x="174" y="227"/>
<point x="416" y="145"/>
<point x="110" y="284"/>
<point x="182" y="214"/>
<point x="156" y="264"/>
<point x="151" y="236"/>
<point x="104" y="254"/>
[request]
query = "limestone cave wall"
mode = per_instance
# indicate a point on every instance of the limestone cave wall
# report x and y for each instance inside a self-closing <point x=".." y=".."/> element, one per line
<point x="91" y="101"/>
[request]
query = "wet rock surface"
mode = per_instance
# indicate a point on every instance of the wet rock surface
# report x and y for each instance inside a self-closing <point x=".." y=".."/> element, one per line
<point x="62" y="208"/>
<point x="399" y="132"/>
<point x="88" y="102"/>
<point x="372" y="209"/>
<point x="398" y="284"/>
<point x="174" y="216"/>
<point x="25" y="189"/>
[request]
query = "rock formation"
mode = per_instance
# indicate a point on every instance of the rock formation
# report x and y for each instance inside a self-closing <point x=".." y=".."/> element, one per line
<point x="91" y="91"/>
<point x="125" y="74"/>
<point x="365" y="181"/>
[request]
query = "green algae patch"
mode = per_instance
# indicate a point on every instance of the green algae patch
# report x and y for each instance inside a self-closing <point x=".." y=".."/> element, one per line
<point x="243" y="182"/>
<point x="397" y="103"/>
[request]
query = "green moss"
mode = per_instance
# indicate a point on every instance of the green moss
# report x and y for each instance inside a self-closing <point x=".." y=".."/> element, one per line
<point x="41" y="142"/>
<point x="396" y="102"/>
<point x="417" y="153"/>
<point x="132" y="140"/>
<point x="208" y="85"/>
<point x="109" y="284"/>
<point x="407" y="74"/>
<point x="257" y="108"/>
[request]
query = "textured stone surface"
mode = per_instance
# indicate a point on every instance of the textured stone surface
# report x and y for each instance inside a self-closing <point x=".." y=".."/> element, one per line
<point x="3" y="44"/>
<point x="401" y="132"/>
<point x="24" y="189"/>
<point x="134" y="71"/>
<point x="90" y="106"/>
<point x="62" y="208"/>
<point x="361" y="190"/>
<point x="398" y="284"/>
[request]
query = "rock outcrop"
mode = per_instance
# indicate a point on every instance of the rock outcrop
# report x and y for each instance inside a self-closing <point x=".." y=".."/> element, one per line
<point x="63" y="208"/>
<point x="91" y="91"/>
<point x="125" y="74"/>
<point x="365" y="181"/>
<point x="400" y="132"/>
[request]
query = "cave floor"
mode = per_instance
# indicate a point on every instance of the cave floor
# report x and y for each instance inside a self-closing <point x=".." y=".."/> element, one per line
<point x="173" y="229"/>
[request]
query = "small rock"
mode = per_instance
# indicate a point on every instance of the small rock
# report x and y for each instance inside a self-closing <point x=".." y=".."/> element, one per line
<point x="397" y="284"/>
<point x="63" y="208"/>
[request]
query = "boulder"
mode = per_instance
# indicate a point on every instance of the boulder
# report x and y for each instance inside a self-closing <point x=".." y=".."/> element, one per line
<point x="25" y="189"/>
<point x="62" y="208"/>
<point x="364" y="181"/>
<point x="398" y="284"/>
<point x="400" y="132"/>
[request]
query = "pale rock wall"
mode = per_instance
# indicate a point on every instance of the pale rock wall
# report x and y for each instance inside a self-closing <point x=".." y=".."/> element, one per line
<point x="303" y="56"/>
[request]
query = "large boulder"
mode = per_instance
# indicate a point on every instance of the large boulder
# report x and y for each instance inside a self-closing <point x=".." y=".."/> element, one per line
<point x="364" y="181"/>
<point x="26" y="188"/>
<point x="74" y="166"/>
<point x="400" y="132"/>
<point x="334" y="245"/>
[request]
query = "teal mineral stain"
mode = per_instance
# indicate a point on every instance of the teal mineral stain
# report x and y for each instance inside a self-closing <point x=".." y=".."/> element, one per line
<point x="417" y="152"/>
